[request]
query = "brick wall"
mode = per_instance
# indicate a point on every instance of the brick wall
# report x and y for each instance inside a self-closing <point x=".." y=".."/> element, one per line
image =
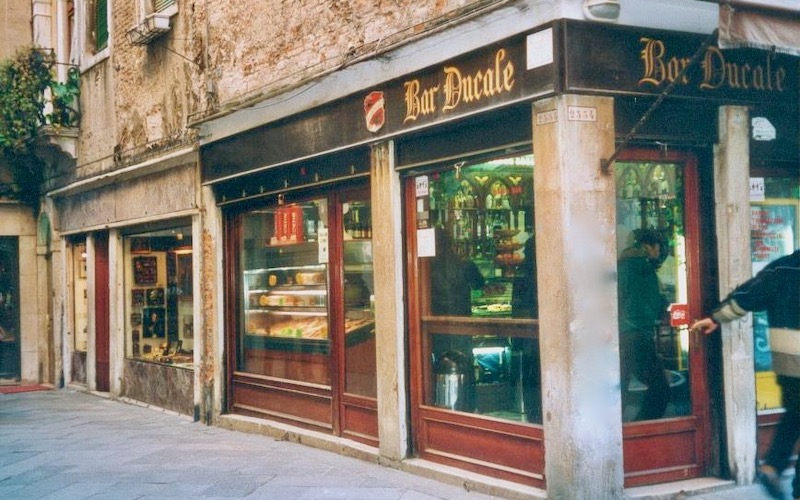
<point x="254" y="47"/>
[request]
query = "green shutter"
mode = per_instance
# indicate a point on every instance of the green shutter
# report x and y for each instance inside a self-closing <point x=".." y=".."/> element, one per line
<point x="101" y="24"/>
<point x="160" y="5"/>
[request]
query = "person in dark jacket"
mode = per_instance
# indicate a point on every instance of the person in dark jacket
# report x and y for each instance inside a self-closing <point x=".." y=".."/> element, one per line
<point x="776" y="290"/>
<point x="641" y="308"/>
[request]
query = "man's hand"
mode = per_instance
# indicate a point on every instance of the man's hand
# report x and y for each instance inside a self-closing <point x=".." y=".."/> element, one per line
<point x="705" y="325"/>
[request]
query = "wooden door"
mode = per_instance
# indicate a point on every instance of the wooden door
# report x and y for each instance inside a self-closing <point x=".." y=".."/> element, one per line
<point x="658" y="191"/>
<point x="357" y="374"/>
<point x="101" y="311"/>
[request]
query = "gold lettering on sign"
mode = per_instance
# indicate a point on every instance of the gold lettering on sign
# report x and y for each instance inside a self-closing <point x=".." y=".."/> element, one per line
<point x="419" y="105"/>
<point x="657" y="70"/>
<point x="494" y="81"/>
<point x="717" y="72"/>
<point x="459" y="88"/>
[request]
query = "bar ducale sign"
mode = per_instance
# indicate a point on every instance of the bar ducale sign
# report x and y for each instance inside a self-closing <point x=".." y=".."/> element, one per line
<point x="458" y="87"/>
<point x="625" y="60"/>
<point x="660" y="67"/>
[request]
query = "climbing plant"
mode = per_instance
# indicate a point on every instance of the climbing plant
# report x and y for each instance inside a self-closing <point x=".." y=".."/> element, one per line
<point x="27" y="86"/>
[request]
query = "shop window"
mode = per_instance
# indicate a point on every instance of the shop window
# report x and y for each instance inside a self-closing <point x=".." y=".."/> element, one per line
<point x="285" y="271"/>
<point x="478" y="287"/>
<point x="774" y="232"/>
<point x="81" y="299"/>
<point x="158" y="295"/>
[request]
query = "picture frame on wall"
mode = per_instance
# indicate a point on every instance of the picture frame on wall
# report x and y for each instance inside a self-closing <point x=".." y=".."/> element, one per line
<point x="184" y="276"/>
<point x="137" y="297"/>
<point x="155" y="297"/>
<point x="153" y="323"/>
<point x="188" y="326"/>
<point x="136" y="319"/>
<point x="145" y="270"/>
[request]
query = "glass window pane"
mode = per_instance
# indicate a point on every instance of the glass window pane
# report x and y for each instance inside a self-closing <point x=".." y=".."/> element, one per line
<point x="652" y="277"/>
<point x="158" y="296"/>
<point x="774" y="232"/>
<point x="81" y="301"/>
<point x="359" y="300"/>
<point x="285" y="294"/>
<point x="478" y="288"/>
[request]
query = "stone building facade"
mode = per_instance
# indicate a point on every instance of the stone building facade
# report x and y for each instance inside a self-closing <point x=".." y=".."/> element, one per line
<point x="206" y="125"/>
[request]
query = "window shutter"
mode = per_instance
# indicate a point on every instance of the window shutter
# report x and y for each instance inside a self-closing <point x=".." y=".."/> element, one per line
<point x="160" y="5"/>
<point x="101" y="24"/>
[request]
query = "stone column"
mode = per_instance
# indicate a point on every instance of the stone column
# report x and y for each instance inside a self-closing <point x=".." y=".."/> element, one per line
<point x="732" y="196"/>
<point x="116" y="312"/>
<point x="91" y="293"/>
<point x="575" y="226"/>
<point x="387" y="255"/>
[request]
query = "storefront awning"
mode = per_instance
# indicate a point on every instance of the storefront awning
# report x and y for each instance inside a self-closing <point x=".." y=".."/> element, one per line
<point x="764" y="24"/>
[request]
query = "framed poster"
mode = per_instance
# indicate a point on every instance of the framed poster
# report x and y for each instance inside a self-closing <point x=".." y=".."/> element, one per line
<point x="155" y="297"/>
<point x="188" y="326"/>
<point x="137" y="297"/>
<point x="153" y="323"/>
<point x="184" y="277"/>
<point x="145" y="270"/>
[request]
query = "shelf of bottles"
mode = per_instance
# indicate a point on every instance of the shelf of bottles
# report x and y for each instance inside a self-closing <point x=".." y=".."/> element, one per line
<point x="492" y="227"/>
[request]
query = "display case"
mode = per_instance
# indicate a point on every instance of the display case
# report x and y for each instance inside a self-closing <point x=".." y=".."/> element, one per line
<point x="286" y="304"/>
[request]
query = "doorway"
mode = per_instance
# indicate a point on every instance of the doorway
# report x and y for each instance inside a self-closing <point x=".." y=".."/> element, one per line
<point x="101" y="312"/>
<point x="9" y="310"/>
<point x="664" y="386"/>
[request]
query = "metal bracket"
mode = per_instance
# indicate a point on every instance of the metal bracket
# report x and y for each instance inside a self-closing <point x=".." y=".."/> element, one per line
<point x="605" y="164"/>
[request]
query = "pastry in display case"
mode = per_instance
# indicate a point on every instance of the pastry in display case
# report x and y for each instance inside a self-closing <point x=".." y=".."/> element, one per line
<point x="287" y="302"/>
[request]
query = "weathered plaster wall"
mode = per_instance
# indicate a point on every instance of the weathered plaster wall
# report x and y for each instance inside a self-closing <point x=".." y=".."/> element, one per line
<point x="15" y="26"/>
<point x="160" y="194"/>
<point x="156" y="84"/>
<point x="220" y="53"/>
<point x="98" y="122"/>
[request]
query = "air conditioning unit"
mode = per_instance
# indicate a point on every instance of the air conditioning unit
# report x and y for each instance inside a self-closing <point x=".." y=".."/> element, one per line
<point x="152" y="27"/>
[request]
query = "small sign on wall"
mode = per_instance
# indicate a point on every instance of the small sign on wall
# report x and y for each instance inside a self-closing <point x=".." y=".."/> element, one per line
<point x="757" y="189"/>
<point x="581" y="114"/>
<point x="546" y="117"/>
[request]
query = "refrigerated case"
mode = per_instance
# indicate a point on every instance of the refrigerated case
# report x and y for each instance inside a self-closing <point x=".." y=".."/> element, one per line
<point x="304" y="337"/>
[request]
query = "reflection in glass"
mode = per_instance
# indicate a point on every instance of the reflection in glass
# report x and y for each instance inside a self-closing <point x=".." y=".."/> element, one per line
<point x="650" y="205"/>
<point x="285" y="301"/>
<point x="359" y="301"/>
<point x="774" y="232"/>
<point x="479" y="334"/>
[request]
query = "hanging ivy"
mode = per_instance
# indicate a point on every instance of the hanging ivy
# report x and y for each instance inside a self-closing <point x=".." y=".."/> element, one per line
<point x="27" y="84"/>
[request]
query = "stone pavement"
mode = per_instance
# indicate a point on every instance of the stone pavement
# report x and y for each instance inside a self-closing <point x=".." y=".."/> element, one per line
<point x="64" y="444"/>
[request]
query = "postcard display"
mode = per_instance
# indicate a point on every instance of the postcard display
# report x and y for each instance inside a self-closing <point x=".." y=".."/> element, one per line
<point x="159" y="298"/>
